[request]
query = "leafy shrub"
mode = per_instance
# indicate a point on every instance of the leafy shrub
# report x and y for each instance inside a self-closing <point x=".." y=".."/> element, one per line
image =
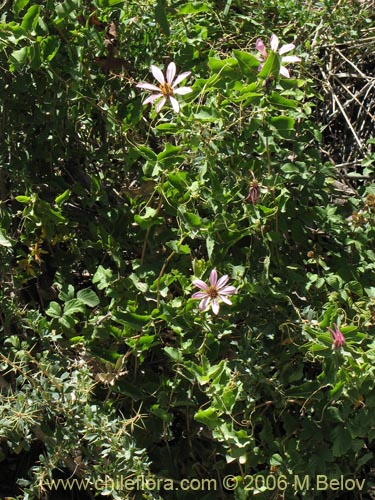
<point x="110" y="210"/>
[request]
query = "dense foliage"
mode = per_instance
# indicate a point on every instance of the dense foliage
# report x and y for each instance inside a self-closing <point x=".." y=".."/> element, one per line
<point x="112" y="209"/>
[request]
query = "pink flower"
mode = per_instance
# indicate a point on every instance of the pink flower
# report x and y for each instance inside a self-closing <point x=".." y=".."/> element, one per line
<point x="274" y="42"/>
<point x="215" y="291"/>
<point x="337" y="337"/>
<point x="167" y="88"/>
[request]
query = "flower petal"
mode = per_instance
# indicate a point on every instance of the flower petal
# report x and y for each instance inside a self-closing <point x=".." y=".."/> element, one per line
<point x="175" y="105"/>
<point x="284" y="72"/>
<point x="199" y="295"/>
<point x="204" y="303"/>
<point x="225" y="299"/>
<point x="215" y="306"/>
<point x="182" y="90"/>
<point x="171" y="72"/>
<point x="291" y="59"/>
<point x="228" y="290"/>
<point x="222" y="281"/>
<point x="286" y="48"/>
<point x="152" y="98"/>
<point x="160" y="104"/>
<point x="260" y="66"/>
<point x="180" y="78"/>
<point x="259" y="45"/>
<point x="148" y="86"/>
<point x="274" y="43"/>
<point x="213" y="277"/>
<point x="157" y="74"/>
<point x="200" y="284"/>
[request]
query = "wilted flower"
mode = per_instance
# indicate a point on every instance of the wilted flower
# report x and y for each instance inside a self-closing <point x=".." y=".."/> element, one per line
<point x="337" y="337"/>
<point x="254" y="191"/>
<point x="167" y="88"/>
<point x="274" y="42"/>
<point x="216" y="291"/>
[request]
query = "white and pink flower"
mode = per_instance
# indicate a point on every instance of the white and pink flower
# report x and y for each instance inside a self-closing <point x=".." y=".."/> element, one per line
<point x="214" y="293"/>
<point x="274" y="42"/>
<point x="167" y="88"/>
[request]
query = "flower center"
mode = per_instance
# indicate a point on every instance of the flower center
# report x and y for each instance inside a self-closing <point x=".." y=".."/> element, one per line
<point x="166" y="89"/>
<point x="212" y="292"/>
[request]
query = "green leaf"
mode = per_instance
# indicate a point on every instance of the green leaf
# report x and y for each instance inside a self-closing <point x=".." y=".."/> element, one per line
<point x="54" y="310"/>
<point x="65" y="8"/>
<point x="161" y="17"/>
<point x="35" y="60"/>
<point x="73" y="306"/>
<point x="284" y="126"/>
<point x="342" y="441"/>
<point x="49" y="47"/>
<point x="207" y="114"/>
<point x="177" y="247"/>
<point x="174" y="354"/>
<point x="247" y="62"/>
<point x="271" y="67"/>
<point x="30" y="19"/>
<point x="281" y="101"/>
<point x="225" y="67"/>
<point x="88" y="297"/>
<point x="109" y="3"/>
<point x="209" y="417"/>
<point x="4" y="242"/>
<point x="147" y="153"/>
<point x="133" y="320"/>
<point x="23" y="199"/>
<point x="148" y="219"/>
<point x="169" y="151"/>
<point x="19" y="5"/>
<point x="193" y="8"/>
<point x="103" y="278"/>
<point x="20" y="56"/>
<point x="59" y="200"/>
<point x="170" y="128"/>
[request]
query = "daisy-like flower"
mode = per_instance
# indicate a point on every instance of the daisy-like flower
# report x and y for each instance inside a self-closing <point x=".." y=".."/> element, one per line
<point x="216" y="291"/>
<point x="167" y="88"/>
<point x="274" y="42"/>
<point x="337" y="337"/>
